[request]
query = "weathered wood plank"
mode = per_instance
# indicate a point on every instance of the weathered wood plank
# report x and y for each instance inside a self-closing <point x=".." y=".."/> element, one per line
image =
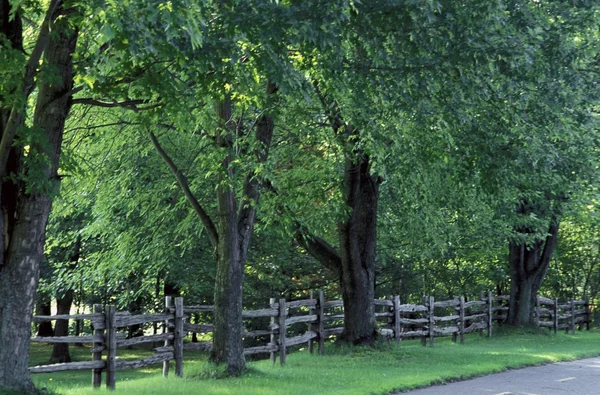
<point x="68" y="339"/>
<point x="499" y="308"/>
<point x="446" y="318"/>
<point x="447" y="303"/>
<point x="414" y="334"/>
<point x="447" y="330"/>
<point x="198" y="328"/>
<point x="144" y="339"/>
<point x="301" y="303"/>
<point x="502" y="297"/>
<point x="126" y="319"/>
<point x="378" y="315"/>
<point x="198" y="309"/>
<point x="547" y="324"/>
<point x="91" y="317"/>
<point x="415" y="321"/>
<point x="548" y="301"/>
<point x="269" y="348"/>
<point x="148" y="361"/>
<point x="61" y="367"/>
<point x="293" y="341"/>
<point x="260" y="313"/>
<point x="411" y="308"/>
<point x="301" y="319"/>
<point x="383" y="302"/>
<point x="385" y="332"/>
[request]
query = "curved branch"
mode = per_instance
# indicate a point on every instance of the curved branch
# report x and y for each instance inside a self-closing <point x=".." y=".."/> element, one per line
<point x="209" y="225"/>
<point x="319" y="249"/>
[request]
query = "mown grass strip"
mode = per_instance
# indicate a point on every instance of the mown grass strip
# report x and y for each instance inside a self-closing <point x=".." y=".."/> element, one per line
<point x="349" y="370"/>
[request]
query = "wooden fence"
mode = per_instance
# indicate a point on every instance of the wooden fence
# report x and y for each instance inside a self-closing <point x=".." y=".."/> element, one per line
<point x="306" y="322"/>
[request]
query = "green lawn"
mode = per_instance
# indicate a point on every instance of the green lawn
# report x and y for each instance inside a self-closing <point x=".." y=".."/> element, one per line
<point x="344" y="370"/>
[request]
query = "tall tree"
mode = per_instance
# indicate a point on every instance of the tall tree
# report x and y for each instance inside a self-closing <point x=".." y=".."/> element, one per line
<point x="29" y="178"/>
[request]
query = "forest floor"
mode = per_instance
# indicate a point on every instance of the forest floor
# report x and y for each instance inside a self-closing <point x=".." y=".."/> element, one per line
<point x="382" y="369"/>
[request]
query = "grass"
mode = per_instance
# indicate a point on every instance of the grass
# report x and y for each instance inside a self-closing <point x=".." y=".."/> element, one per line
<point x="343" y="370"/>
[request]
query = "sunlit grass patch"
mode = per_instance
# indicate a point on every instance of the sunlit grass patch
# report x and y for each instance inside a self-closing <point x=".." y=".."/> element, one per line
<point x="350" y="370"/>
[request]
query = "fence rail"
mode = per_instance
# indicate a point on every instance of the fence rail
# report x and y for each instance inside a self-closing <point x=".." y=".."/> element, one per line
<point x="293" y="323"/>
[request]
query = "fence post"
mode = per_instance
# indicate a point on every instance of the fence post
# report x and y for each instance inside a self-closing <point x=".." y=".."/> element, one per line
<point x="97" y="355"/>
<point x="311" y="311"/>
<point x="397" y="318"/>
<point x="572" y="316"/>
<point x="111" y="347"/>
<point x="179" y="335"/>
<point x="490" y="313"/>
<point x="166" y="330"/>
<point x="426" y="305"/>
<point x="588" y="315"/>
<point x="282" y="349"/>
<point x="555" y="316"/>
<point x="431" y="321"/>
<point x="481" y="297"/>
<point x="272" y="337"/>
<point x="537" y="311"/>
<point x="461" y="314"/>
<point x="321" y="312"/>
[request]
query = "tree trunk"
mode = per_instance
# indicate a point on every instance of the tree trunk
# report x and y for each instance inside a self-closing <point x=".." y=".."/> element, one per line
<point x="44" y="307"/>
<point x="358" y="235"/>
<point x="24" y="238"/>
<point x="60" y="351"/>
<point x="528" y="268"/>
<point x="227" y="335"/>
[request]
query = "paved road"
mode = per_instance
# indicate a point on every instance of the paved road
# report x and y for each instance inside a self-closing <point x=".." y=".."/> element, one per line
<point x="576" y="377"/>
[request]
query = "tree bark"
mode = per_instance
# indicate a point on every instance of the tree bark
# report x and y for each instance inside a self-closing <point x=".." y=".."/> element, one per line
<point x="528" y="268"/>
<point x="44" y="307"/>
<point x="24" y="239"/>
<point x="358" y="237"/>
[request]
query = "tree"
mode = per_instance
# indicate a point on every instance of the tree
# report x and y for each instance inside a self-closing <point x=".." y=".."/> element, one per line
<point x="29" y="176"/>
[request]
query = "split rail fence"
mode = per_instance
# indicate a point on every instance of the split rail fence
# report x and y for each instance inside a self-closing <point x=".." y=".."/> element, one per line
<point x="307" y="322"/>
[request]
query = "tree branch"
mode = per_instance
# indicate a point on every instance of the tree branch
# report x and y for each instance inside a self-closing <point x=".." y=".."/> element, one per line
<point x="250" y="195"/>
<point x="127" y="104"/>
<point x="209" y="225"/>
<point x="17" y="112"/>
<point x="319" y="249"/>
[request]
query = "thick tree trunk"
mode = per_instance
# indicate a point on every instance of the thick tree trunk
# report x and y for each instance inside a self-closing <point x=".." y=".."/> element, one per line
<point x="227" y="335"/>
<point x="358" y="235"/>
<point x="528" y="268"/>
<point x="24" y="240"/>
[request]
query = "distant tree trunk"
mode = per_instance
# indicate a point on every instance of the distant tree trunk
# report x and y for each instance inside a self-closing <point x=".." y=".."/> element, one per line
<point x="528" y="268"/>
<point x="24" y="211"/>
<point x="44" y="307"/>
<point x="60" y="351"/>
